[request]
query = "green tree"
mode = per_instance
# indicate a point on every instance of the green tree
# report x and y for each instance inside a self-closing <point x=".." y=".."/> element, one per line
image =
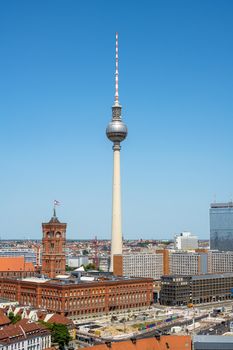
<point x="89" y="267"/>
<point x="14" y="318"/>
<point x="143" y="244"/>
<point x="59" y="332"/>
<point x="68" y="268"/>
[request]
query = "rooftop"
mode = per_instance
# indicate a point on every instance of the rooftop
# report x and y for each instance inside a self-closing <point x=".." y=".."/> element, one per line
<point x="212" y="275"/>
<point x="171" y="342"/>
<point x="209" y="339"/>
<point x="15" y="264"/>
<point x="221" y="205"/>
<point x="23" y="329"/>
<point x="35" y="279"/>
<point x="199" y="277"/>
<point x="3" y="318"/>
<point x="82" y="278"/>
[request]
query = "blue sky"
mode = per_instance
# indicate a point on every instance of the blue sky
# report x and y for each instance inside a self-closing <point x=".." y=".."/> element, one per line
<point x="56" y="92"/>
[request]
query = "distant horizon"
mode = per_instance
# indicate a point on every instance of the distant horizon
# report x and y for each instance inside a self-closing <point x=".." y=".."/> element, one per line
<point x="90" y="239"/>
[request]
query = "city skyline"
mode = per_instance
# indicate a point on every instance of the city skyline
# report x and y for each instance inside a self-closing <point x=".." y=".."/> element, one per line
<point x="57" y="86"/>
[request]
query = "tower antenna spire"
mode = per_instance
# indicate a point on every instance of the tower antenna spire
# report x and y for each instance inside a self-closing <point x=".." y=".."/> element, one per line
<point x="116" y="73"/>
<point x="116" y="132"/>
<point x="54" y="211"/>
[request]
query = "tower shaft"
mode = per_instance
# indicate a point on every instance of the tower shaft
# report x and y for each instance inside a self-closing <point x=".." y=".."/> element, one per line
<point x="116" y="132"/>
<point x="116" y="244"/>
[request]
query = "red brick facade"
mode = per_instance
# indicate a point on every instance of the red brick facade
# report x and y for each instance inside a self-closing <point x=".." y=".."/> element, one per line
<point x="82" y="298"/>
<point x="54" y="240"/>
<point x="15" y="267"/>
<point x="118" y="265"/>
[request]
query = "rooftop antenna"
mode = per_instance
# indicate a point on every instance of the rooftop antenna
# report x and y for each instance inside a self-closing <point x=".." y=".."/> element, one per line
<point x="54" y="211"/>
<point x="55" y="203"/>
<point x="116" y="102"/>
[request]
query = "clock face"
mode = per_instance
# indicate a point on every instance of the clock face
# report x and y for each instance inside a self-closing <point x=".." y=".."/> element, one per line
<point x="58" y="235"/>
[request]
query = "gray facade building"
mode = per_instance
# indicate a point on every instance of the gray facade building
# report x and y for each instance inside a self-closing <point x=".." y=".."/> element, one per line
<point x="177" y="290"/>
<point x="212" y="342"/>
<point x="221" y="226"/>
<point x="143" y="265"/>
<point x="188" y="263"/>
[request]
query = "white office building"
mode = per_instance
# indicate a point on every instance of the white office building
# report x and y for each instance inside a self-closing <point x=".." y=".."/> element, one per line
<point x="186" y="241"/>
<point x="77" y="261"/>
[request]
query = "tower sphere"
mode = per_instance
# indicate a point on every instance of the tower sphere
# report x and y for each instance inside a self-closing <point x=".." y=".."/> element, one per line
<point x="116" y="131"/>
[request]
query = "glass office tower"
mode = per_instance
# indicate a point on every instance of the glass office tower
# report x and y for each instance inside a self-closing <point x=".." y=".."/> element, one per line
<point x="221" y="226"/>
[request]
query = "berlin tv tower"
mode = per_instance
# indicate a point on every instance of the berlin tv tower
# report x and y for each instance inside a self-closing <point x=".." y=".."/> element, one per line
<point x="116" y="132"/>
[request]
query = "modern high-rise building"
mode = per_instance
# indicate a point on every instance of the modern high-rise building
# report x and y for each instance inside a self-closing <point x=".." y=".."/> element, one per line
<point x="116" y="132"/>
<point x="221" y="226"/>
<point x="186" y="241"/>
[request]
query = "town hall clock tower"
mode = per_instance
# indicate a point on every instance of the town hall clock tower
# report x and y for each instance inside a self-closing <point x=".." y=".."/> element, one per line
<point x="54" y="240"/>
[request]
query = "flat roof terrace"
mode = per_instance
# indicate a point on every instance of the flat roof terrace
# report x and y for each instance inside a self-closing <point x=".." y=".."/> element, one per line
<point x="78" y="282"/>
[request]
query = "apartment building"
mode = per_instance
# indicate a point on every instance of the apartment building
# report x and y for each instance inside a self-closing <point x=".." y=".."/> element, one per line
<point x="162" y="262"/>
<point x="200" y="262"/>
<point x="188" y="263"/>
<point x="25" y="335"/>
<point x="220" y="261"/>
<point x="152" y="265"/>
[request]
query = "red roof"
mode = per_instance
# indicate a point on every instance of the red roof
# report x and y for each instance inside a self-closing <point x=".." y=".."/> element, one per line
<point x="15" y="332"/>
<point x="57" y="318"/>
<point x="171" y="342"/>
<point x="16" y="264"/>
<point x="4" y="320"/>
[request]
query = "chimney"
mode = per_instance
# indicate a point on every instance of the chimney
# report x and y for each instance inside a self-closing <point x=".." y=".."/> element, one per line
<point x="133" y="340"/>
